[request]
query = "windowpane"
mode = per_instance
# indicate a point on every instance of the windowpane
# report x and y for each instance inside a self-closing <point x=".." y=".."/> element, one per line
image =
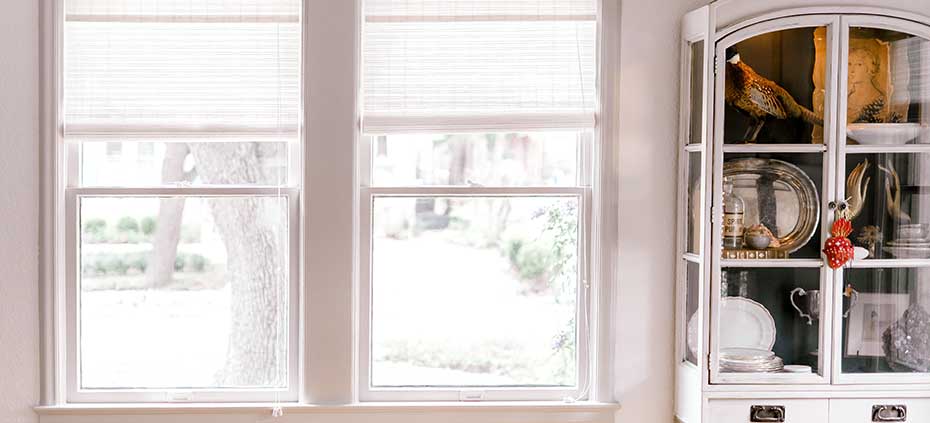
<point x="478" y="291"/>
<point x="497" y="159"/>
<point x="183" y="292"/>
<point x="142" y="163"/>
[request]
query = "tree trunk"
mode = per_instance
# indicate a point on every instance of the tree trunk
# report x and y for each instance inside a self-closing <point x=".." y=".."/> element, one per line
<point x="254" y="231"/>
<point x="168" y="225"/>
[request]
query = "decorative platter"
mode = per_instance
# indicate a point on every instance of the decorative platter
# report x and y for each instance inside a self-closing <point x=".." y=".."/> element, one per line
<point x="777" y="194"/>
<point x="745" y="323"/>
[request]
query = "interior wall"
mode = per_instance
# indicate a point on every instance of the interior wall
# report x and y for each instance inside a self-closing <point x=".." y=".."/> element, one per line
<point x="648" y="125"/>
<point x="19" y="211"/>
<point x="649" y="75"/>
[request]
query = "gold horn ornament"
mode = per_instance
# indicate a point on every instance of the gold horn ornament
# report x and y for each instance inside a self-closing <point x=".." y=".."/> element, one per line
<point x="893" y="201"/>
<point x="857" y="189"/>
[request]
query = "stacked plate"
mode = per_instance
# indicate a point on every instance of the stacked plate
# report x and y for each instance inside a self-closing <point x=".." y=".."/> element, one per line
<point x="911" y="242"/>
<point x="747" y="334"/>
<point x="749" y="360"/>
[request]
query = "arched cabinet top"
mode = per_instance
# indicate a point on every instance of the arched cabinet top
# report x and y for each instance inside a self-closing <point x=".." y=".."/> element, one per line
<point x="725" y="17"/>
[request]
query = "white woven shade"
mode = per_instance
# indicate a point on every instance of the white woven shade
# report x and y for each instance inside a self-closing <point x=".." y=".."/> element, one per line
<point x="478" y="65"/>
<point x="172" y="67"/>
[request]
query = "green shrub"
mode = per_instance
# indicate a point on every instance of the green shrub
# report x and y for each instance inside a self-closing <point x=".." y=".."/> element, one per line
<point x="116" y="266"/>
<point x="95" y="227"/>
<point x="139" y="262"/>
<point x="197" y="262"/>
<point x="148" y="225"/>
<point x="179" y="262"/>
<point x="127" y="224"/>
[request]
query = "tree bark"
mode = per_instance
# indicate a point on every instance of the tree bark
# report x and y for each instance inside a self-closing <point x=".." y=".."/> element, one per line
<point x="168" y="225"/>
<point x="254" y="231"/>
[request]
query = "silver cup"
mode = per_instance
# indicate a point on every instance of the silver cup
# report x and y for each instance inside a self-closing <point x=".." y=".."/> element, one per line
<point x="812" y="307"/>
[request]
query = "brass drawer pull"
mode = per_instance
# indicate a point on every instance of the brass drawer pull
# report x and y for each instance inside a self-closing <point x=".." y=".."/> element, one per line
<point x="767" y="413"/>
<point x="889" y="413"/>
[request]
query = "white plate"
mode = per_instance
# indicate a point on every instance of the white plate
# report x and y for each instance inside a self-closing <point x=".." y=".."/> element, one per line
<point x="693" y="334"/>
<point x="745" y="354"/>
<point x="745" y="323"/>
<point x="883" y="133"/>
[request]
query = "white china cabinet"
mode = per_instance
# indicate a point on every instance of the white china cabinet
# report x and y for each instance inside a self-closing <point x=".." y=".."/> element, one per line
<point x="792" y="117"/>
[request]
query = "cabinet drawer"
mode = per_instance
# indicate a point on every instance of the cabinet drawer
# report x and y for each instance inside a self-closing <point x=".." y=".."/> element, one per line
<point x="868" y="410"/>
<point x="768" y="411"/>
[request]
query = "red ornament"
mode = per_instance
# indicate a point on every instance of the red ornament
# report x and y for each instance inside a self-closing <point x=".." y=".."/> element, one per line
<point x="838" y="248"/>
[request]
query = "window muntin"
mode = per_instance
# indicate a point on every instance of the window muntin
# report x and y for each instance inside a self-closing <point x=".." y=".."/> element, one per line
<point x="181" y="199"/>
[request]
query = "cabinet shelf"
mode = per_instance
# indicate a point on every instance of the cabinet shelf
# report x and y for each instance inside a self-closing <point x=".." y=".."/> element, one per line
<point x="774" y="148"/>
<point x="808" y="263"/>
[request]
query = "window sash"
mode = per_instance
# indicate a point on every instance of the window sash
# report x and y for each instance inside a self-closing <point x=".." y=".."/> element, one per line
<point x="76" y="394"/>
<point x="367" y="392"/>
<point x="582" y="191"/>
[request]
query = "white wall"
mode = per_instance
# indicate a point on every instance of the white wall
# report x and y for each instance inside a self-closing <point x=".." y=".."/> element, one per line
<point x="649" y="51"/>
<point x="19" y="209"/>
<point x="649" y="86"/>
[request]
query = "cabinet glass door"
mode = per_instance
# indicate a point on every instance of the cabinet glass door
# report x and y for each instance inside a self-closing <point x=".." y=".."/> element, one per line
<point x="770" y="307"/>
<point x="692" y="167"/>
<point x="884" y="313"/>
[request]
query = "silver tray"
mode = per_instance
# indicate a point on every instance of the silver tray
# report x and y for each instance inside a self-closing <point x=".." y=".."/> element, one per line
<point x="791" y="201"/>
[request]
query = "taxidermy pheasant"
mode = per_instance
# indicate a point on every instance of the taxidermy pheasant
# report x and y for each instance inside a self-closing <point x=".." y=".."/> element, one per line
<point x="761" y="99"/>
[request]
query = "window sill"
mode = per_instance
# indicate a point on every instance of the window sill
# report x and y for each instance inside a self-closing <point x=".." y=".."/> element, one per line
<point x="358" y="408"/>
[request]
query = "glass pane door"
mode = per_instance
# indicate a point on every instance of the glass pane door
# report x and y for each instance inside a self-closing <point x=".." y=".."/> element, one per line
<point x="887" y="325"/>
<point x="883" y="301"/>
<point x="771" y="186"/>
<point x="692" y="196"/>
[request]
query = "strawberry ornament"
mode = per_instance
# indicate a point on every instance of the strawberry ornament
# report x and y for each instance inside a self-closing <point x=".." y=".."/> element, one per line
<point x="839" y="248"/>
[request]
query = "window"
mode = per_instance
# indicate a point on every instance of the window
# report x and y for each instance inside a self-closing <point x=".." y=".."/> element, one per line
<point x="450" y="248"/>
<point x="181" y="144"/>
<point x="476" y="195"/>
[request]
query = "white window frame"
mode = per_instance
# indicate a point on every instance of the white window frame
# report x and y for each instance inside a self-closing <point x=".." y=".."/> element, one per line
<point x="65" y="272"/>
<point x="368" y="193"/>
<point x="328" y="224"/>
<point x="588" y="178"/>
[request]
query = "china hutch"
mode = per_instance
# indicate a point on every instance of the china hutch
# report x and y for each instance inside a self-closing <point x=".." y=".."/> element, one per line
<point x="792" y="118"/>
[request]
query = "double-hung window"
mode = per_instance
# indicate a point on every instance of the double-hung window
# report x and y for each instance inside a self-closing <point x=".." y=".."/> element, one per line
<point x="180" y="162"/>
<point x="478" y="125"/>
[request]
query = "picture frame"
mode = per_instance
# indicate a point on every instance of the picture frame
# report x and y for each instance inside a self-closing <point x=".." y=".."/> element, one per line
<point x="869" y="319"/>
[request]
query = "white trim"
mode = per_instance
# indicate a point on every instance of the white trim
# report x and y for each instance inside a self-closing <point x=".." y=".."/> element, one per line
<point x="51" y="239"/>
<point x="421" y="407"/>
<point x="380" y="124"/>
<point x="331" y="37"/>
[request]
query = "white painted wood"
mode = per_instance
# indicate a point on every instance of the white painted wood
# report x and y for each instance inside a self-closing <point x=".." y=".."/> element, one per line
<point x="813" y="390"/>
<point x="796" y="410"/>
<point x="860" y="410"/>
<point x="688" y="375"/>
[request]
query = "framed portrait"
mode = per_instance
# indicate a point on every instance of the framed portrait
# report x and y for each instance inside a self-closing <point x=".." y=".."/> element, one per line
<point x="868" y="320"/>
<point x="875" y="91"/>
